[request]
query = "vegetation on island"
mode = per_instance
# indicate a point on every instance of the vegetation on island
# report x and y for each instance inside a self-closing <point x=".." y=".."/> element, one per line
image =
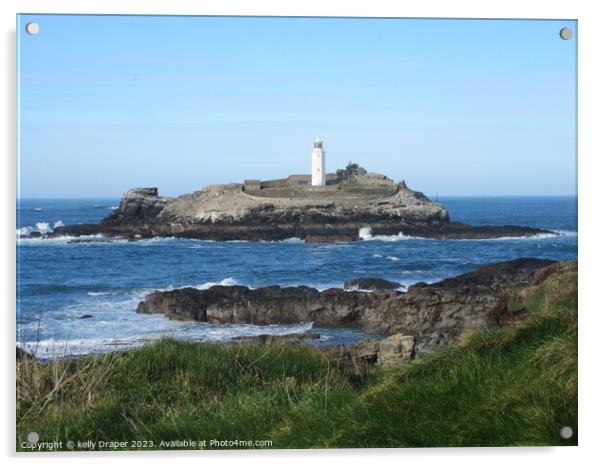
<point x="513" y="386"/>
<point x="350" y="172"/>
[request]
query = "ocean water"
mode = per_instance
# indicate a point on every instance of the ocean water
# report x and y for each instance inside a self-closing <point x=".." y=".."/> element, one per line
<point x="58" y="282"/>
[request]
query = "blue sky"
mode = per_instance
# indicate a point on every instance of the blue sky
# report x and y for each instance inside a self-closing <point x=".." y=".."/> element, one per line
<point x="455" y="107"/>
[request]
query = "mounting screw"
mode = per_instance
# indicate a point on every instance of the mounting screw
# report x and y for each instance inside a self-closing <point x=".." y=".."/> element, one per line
<point x="566" y="33"/>
<point x="32" y="28"/>
<point x="566" y="432"/>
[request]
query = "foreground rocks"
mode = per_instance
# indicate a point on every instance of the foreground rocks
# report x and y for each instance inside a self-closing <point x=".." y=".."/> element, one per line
<point x="277" y="210"/>
<point x="387" y="352"/>
<point x="433" y="314"/>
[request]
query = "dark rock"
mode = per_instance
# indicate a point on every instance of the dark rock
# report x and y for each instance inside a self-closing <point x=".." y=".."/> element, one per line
<point x="371" y="284"/>
<point x="331" y="238"/>
<point x="89" y="240"/>
<point x="434" y="315"/>
<point x="138" y="204"/>
<point x="519" y="270"/>
<point x="86" y="316"/>
<point x="456" y="230"/>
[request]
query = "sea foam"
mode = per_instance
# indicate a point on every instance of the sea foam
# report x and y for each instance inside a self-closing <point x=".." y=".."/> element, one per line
<point x="49" y="348"/>
<point x="225" y="282"/>
<point x="365" y="233"/>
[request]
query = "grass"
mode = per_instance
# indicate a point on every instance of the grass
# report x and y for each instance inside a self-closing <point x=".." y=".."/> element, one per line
<point x="513" y="386"/>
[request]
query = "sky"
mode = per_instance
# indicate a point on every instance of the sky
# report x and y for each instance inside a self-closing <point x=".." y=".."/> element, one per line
<point x="453" y="107"/>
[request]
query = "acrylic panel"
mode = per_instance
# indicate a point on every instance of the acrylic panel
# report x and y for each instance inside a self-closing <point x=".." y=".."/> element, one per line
<point x="295" y="232"/>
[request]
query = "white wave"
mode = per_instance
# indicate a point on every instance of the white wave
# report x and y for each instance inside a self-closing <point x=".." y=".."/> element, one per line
<point x="102" y="293"/>
<point x="398" y="237"/>
<point x="554" y="235"/>
<point x="114" y="207"/>
<point x="43" y="227"/>
<point x="365" y="233"/>
<point x="376" y="255"/>
<point x="393" y="258"/>
<point x="186" y="331"/>
<point x="154" y="239"/>
<point x="23" y="231"/>
<point x="291" y="240"/>
<point x="63" y="240"/>
<point x="225" y="282"/>
<point x="139" y="294"/>
<point x="565" y="232"/>
<point x="38" y="209"/>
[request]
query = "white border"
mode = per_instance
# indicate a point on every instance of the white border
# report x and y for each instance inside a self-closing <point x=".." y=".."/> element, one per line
<point x="590" y="77"/>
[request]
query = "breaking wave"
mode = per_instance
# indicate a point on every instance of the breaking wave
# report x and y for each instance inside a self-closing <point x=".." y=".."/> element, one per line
<point x="185" y="331"/>
<point x="24" y="239"/>
<point x="365" y="233"/>
<point x="225" y="282"/>
<point x="43" y="228"/>
<point x="539" y="236"/>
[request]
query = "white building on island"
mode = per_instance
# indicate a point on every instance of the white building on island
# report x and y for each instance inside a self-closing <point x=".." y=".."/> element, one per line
<point x="318" y="164"/>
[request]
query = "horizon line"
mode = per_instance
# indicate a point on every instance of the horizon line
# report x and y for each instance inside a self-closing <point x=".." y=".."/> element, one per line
<point x="435" y="195"/>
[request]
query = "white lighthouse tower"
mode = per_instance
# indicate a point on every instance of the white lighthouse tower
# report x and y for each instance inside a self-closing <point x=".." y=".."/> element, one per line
<point x="318" y="164"/>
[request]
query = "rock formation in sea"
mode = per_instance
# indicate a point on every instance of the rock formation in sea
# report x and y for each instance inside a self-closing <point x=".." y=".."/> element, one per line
<point x="371" y="284"/>
<point x="288" y="208"/>
<point x="434" y="315"/>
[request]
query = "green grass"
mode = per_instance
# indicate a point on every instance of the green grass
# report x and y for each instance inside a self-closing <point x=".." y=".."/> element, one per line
<point x="513" y="386"/>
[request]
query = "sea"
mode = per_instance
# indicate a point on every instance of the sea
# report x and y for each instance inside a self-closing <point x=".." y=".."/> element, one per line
<point x="58" y="282"/>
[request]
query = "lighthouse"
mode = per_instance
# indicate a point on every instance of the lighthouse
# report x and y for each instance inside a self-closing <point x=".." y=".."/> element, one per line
<point x="318" y="164"/>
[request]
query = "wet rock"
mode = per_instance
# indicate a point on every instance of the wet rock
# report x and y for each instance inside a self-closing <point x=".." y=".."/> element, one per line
<point x="331" y="238"/>
<point x="86" y="316"/>
<point x="138" y="204"/>
<point x="435" y="315"/>
<point x="371" y="284"/>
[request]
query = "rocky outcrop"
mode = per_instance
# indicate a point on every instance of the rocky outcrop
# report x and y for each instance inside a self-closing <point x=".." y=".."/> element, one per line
<point x="433" y="314"/>
<point x="371" y="284"/>
<point x="385" y="353"/>
<point x="140" y="204"/>
<point x="277" y="210"/>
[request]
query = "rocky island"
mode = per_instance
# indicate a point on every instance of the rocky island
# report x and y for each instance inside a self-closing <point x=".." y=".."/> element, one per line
<point x="348" y="205"/>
